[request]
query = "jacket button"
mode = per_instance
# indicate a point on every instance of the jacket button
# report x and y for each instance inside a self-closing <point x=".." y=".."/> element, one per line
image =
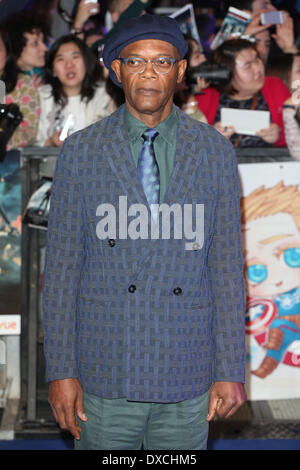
<point x="111" y="242"/>
<point x="177" y="291"/>
<point x="132" y="288"/>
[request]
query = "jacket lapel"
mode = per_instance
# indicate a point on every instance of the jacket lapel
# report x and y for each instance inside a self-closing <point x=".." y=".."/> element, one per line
<point x="186" y="162"/>
<point x="121" y="161"/>
<point x="188" y="156"/>
<point x="187" y="159"/>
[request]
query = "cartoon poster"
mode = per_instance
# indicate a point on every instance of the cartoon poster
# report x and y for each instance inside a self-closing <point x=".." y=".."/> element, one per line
<point x="270" y="211"/>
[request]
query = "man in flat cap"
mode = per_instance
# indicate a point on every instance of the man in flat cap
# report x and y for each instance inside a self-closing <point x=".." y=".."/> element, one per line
<point x="143" y="293"/>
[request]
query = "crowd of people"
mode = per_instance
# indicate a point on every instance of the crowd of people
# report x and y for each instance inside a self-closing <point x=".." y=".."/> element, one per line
<point x="54" y="73"/>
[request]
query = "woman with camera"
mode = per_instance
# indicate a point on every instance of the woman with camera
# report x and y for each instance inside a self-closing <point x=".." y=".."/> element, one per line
<point x="74" y="95"/>
<point x="248" y="88"/>
<point x="22" y="49"/>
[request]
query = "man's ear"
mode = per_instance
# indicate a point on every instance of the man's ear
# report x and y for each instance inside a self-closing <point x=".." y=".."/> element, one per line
<point x="182" y="64"/>
<point x="116" y="67"/>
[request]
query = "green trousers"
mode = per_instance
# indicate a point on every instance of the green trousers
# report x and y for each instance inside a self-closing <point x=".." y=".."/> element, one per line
<point x="119" y="424"/>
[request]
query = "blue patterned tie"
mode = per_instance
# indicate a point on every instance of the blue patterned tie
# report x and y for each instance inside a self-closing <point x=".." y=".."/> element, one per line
<point x="148" y="171"/>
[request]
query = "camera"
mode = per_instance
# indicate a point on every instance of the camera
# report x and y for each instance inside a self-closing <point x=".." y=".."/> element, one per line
<point x="10" y="118"/>
<point x="213" y="73"/>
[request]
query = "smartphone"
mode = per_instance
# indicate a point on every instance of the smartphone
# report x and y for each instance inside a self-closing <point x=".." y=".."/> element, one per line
<point x="68" y="124"/>
<point x="272" y="17"/>
<point x="93" y="10"/>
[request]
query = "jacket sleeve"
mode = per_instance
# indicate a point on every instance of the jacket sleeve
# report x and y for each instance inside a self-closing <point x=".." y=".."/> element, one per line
<point x="64" y="258"/>
<point x="225" y="265"/>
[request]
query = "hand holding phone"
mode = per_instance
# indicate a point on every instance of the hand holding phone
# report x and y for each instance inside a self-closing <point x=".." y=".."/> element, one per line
<point x="93" y="10"/>
<point x="69" y="123"/>
<point x="272" y="17"/>
<point x="284" y="35"/>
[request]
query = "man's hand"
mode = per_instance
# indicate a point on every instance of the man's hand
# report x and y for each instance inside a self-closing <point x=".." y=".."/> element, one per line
<point x="66" y="398"/>
<point x="225" y="399"/>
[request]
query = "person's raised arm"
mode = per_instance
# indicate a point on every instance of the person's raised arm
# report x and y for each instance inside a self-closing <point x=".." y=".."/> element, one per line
<point x="83" y="13"/>
<point x="284" y="35"/>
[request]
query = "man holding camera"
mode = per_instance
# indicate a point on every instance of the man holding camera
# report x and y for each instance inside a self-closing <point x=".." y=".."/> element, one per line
<point x="144" y="338"/>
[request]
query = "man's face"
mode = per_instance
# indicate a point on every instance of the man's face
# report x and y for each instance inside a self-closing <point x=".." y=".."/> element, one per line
<point x="149" y="92"/>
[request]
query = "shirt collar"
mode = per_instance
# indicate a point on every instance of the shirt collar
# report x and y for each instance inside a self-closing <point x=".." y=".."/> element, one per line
<point x="167" y="128"/>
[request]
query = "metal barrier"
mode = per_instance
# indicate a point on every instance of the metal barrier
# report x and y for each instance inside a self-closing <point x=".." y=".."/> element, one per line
<point x="35" y="162"/>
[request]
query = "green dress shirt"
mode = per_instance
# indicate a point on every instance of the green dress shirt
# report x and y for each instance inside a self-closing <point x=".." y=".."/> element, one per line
<point x="164" y="144"/>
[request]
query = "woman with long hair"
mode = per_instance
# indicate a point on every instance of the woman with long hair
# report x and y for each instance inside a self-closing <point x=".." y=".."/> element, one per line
<point x="22" y="55"/>
<point x="27" y="43"/>
<point x="74" y="91"/>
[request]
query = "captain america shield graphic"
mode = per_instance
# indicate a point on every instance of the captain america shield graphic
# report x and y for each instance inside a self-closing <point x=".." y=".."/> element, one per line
<point x="260" y="314"/>
<point x="259" y="317"/>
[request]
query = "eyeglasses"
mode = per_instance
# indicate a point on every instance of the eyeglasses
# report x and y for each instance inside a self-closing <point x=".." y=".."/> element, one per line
<point x="161" y="65"/>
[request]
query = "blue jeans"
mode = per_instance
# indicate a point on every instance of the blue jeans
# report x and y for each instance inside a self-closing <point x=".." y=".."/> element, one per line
<point x="118" y="424"/>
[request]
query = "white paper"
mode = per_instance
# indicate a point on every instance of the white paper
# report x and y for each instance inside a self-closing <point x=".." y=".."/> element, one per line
<point x="185" y="17"/>
<point x="245" y="121"/>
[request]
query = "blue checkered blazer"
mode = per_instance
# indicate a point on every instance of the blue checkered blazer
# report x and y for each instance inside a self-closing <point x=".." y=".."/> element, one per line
<point x="143" y="319"/>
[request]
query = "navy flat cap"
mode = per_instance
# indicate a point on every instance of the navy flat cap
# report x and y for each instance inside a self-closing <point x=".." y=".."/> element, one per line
<point x="139" y="28"/>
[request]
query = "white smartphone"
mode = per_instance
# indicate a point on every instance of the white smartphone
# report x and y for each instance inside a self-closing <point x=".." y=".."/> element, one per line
<point x="68" y="124"/>
<point x="272" y="17"/>
<point x="93" y="10"/>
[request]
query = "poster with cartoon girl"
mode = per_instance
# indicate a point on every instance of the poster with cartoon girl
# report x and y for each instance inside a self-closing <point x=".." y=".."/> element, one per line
<point x="270" y="212"/>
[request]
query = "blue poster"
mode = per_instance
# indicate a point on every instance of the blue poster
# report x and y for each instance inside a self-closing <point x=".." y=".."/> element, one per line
<point x="10" y="223"/>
